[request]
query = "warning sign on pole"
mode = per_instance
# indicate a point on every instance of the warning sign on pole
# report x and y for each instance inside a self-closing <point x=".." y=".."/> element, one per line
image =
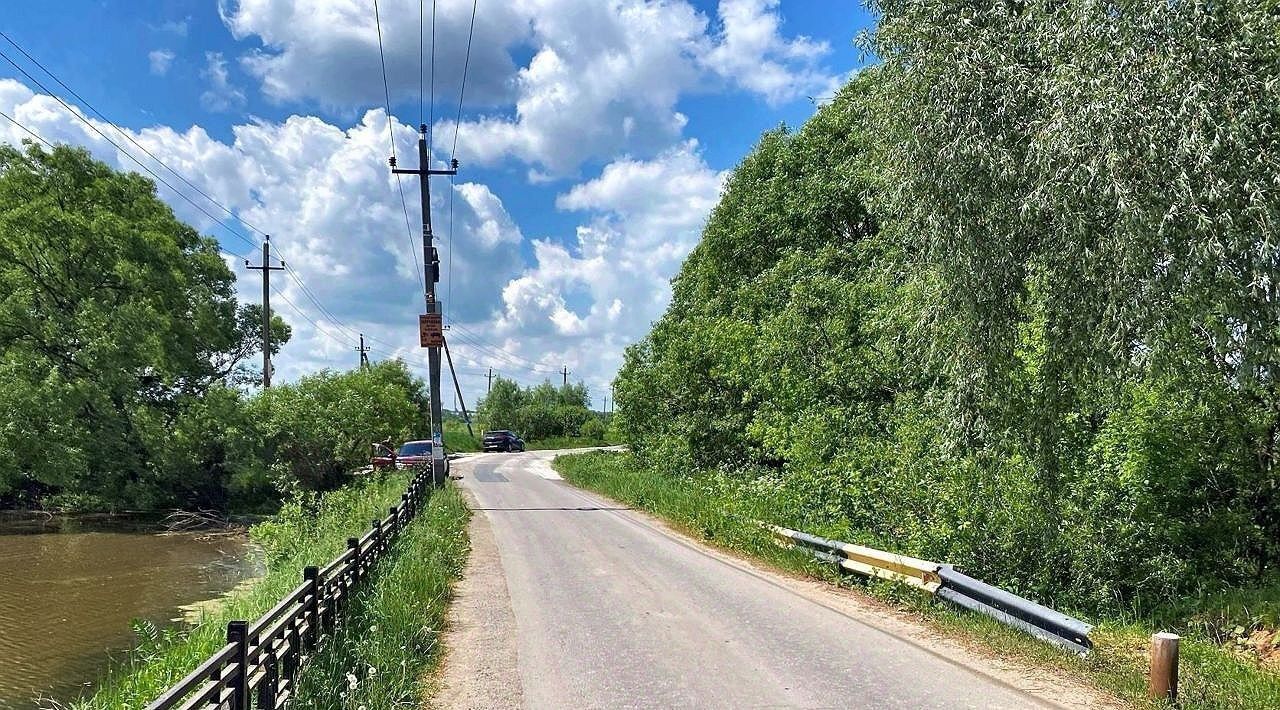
<point x="431" y="330"/>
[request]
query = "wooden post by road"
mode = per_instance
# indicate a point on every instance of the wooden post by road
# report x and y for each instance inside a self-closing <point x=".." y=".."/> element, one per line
<point x="1163" y="681"/>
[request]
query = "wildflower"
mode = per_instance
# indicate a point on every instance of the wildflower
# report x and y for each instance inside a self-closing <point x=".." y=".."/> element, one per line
<point x="352" y="681"/>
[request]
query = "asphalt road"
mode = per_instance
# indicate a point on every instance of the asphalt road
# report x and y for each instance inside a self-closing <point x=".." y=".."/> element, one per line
<point x="612" y="610"/>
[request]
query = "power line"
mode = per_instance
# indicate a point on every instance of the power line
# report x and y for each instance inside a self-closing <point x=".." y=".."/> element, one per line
<point x="432" y="115"/>
<point x="130" y="138"/>
<point x="230" y="213"/>
<point x="466" y="63"/>
<point x="124" y="152"/>
<point x="501" y="355"/>
<point x="391" y="133"/>
<point x="30" y="132"/>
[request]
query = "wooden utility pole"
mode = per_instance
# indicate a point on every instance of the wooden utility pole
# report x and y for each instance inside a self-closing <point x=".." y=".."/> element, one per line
<point x="489" y="386"/>
<point x="364" y="353"/>
<point x="266" y="268"/>
<point x="565" y="372"/>
<point x="431" y="333"/>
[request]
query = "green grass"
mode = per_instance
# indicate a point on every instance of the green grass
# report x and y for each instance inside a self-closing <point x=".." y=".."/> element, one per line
<point x="382" y="653"/>
<point x="456" y="438"/>
<point x="563" y="442"/>
<point x="723" y="511"/>
<point x="308" y="531"/>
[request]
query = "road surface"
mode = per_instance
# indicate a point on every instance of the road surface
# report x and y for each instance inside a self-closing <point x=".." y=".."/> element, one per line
<point x="571" y="601"/>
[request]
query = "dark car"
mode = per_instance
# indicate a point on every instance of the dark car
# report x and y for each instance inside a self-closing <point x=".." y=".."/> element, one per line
<point x="502" y="440"/>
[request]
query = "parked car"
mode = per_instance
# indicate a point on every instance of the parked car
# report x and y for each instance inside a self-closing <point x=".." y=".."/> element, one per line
<point x="502" y="440"/>
<point x="410" y="454"/>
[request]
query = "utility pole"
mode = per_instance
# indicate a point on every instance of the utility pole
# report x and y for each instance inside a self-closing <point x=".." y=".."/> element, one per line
<point x="430" y="326"/>
<point x="364" y="353"/>
<point x="266" y="270"/>
<point x="565" y="371"/>
<point x="489" y="386"/>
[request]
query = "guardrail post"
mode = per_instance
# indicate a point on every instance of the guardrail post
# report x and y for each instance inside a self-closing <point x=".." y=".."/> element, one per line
<point x="310" y="609"/>
<point x="1163" y="682"/>
<point x="353" y="544"/>
<point x="238" y="633"/>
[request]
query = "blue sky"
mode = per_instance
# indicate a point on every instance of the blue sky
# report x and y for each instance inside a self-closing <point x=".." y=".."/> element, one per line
<point x="594" y="139"/>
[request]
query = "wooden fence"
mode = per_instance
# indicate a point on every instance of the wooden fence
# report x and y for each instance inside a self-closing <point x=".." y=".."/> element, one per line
<point x="259" y="665"/>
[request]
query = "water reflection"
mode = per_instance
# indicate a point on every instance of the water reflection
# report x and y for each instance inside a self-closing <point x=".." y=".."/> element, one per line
<point x="70" y="587"/>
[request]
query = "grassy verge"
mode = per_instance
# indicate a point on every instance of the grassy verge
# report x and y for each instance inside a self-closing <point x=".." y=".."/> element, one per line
<point x="564" y="442"/>
<point x="309" y="531"/>
<point x="456" y="438"/>
<point x="391" y="639"/>
<point x="722" y="511"/>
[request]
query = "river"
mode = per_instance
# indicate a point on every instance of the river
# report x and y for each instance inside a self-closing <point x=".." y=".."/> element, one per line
<point x="71" y="587"/>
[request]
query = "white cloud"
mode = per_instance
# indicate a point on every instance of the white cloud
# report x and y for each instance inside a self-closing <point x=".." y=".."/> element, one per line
<point x="583" y="304"/>
<point x="325" y="194"/>
<point x="751" y="52"/>
<point x="221" y="95"/>
<point x="160" y="60"/>
<point x="178" y="28"/>
<point x="602" y="76"/>
<point x="327" y="50"/>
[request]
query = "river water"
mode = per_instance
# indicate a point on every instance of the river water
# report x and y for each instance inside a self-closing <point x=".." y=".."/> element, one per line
<point x="70" y="588"/>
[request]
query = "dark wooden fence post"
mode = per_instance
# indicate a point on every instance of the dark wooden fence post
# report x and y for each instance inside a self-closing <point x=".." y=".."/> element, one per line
<point x="377" y="539"/>
<point x="394" y="514"/>
<point x="238" y="633"/>
<point x="270" y="681"/>
<point x="311" y="605"/>
<point x="354" y="545"/>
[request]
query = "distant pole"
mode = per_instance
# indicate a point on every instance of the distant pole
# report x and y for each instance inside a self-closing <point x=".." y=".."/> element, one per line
<point x="364" y="353"/>
<point x="1162" y="684"/>
<point x="489" y="386"/>
<point x="566" y="375"/>
<point x="266" y="270"/>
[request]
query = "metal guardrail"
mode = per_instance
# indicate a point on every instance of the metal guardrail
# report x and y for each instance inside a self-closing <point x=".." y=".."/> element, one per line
<point x="1040" y="621"/>
<point x="868" y="561"/>
<point x="942" y="580"/>
<point x="259" y="665"/>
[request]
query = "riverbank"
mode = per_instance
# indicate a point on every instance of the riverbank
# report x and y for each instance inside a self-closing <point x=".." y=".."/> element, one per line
<point x="309" y="530"/>
<point x="723" y="512"/>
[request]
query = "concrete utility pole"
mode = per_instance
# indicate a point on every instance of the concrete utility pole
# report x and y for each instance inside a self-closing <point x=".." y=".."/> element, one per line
<point x="489" y="386"/>
<point x="431" y="329"/>
<point x="565" y="371"/>
<point x="266" y="270"/>
<point x="364" y="353"/>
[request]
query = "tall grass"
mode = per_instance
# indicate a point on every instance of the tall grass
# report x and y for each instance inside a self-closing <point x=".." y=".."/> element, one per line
<point x="724" y="510"/>
<point x="378" y="657"/>
<point x="310" y="530"/>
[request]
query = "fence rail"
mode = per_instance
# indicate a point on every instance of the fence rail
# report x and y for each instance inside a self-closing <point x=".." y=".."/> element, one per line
<point x="258" y="667"/>
<point x="946" y="583"/>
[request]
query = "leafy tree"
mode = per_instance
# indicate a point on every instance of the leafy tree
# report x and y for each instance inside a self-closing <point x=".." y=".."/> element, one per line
<point x="536" y="412"/>
<point x="317" y="430"/>
<point x="114" y="318"/>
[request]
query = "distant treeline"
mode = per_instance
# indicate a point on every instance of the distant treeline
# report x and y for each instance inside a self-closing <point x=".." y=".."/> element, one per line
<point x="1010" y="300"/>
<point x="123" y="359"/>
<point x="542" y="411"/>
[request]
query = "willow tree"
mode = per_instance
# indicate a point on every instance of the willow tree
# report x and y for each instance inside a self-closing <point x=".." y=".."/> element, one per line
<point x="114" y="317"/>
<point x="1093" y="185"/>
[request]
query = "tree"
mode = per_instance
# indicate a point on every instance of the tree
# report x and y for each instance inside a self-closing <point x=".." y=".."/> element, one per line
<point x="114" y="318"/>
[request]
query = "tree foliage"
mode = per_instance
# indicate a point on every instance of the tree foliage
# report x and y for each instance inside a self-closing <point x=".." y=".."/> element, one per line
<point x="123" y="359"/>
<point x="537" y="412"/>
<point x="1010" y="301"/>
